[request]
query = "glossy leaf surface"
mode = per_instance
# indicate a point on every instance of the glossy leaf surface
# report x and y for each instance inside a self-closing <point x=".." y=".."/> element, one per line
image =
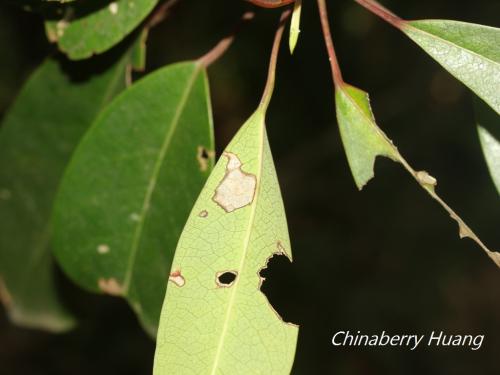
<point x="130" y="187"/>
<point x="37" y="138"/>
<point x="90" y="27"/>
<point x="468" y="51"/>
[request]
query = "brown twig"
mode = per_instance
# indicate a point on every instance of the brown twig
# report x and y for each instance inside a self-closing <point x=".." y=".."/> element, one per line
<point x="160" y="13"/>
<point x="224" y="44"/>
<point x="271" y="73"/>
<point x="332" y="56"/>
<point x="384" y="13"/>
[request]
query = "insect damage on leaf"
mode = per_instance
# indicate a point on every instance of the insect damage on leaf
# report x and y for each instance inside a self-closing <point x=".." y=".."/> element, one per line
<point x="113" y="7"/>
<point x="204" y="156"/>
<point x="221" y="255"/>
<point x="237" y="188"/>
<point x="5" y="297"/>
<point x="103" y="249"/>
<point x="225" y="279"/>
<point x="177" y="278"/>
<point x="364" y="141"/>
<point x="281" y="252"/>
<point x="110" y="286"/>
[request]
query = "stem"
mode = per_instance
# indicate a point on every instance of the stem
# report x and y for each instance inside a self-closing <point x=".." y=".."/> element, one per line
<point x="332" y="56"/>
<point x="271" y="74"/>
<point x="160" y="13"/>
<point x="221" y="47"/>
<point x="376" y="8"/>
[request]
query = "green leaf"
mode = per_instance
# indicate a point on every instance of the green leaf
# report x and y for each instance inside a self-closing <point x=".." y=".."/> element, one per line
<point x="138" y="54"/>
<point x="91" y="27"/>
<point x="295" y="25"/>
<point x="131" y="184"/>
<point x="237" y="224"/>
<point x="363" y="141"/>
<point x="36" y="140"/>
<point x="468" y="51"/>
<point x="215" y="319"/>
<point x="489" y="135"/>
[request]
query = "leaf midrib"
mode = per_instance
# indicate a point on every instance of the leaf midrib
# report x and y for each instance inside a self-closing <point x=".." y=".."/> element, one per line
<point x="246" y="245"/>
<point x="154" y="177"/>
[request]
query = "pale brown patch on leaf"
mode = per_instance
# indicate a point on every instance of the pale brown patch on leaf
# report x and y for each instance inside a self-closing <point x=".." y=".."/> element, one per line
<point x="113" y="8"/>
<point x="203" y="156"/>
<point x="5" y="297"/>
<point x="237" y="188"/>
<point x="110" y="286"/>
<point x="103" y="249"/>
<point x="203" y="213"/>
<point x="177" y="278"/>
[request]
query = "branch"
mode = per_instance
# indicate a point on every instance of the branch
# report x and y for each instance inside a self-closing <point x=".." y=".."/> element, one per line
<point x="271" y="73"/>
<point x="224" y="44"/>
<point x="160" y="13"/>
<point x="332" y="56"/>
<point x="377" y="9"/>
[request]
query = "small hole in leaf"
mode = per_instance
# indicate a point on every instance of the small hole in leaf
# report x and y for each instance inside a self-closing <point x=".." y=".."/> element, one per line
<point x="225" y="279"/>
<point x="203" y="155"/>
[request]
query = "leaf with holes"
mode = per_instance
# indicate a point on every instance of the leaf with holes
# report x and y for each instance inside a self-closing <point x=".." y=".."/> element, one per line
<point x="468" y="51"/>
<point x="215" y="318"/>
<point x="489" y="135"/>
<point x="91" y="27"/>
<point x="36" y="141"/>
<point x="363" y="141"/>
<point x="131" y="184"/>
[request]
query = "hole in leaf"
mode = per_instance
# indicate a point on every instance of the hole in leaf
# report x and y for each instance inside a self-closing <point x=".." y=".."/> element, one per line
<point x="226" y="279"/>
<point x="279" y="285"/>
<point x="203" y="156"/>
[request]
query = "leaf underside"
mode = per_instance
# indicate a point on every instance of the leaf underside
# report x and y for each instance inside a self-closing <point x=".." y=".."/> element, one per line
<point x="131" y="184"/>
<point x="36" y="140"/>
<point x="364" y="141"/>
<point x="85" y="29"/>
<point x="468" y="51"/>
<point x="236" y="225"/>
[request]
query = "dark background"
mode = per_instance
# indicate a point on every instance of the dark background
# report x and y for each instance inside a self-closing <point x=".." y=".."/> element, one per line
<point x="388" y="258"/>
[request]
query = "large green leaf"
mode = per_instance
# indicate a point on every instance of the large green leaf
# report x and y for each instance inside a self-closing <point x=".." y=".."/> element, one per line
<point x="215" y="319"/>
<point x="236" y="225"/>
<point x="468" y="51"/>
<point x="489" y="134"/>
<point x="92" y="27"/>
<point x="36" y="140"/>
<point x="131" y="184"/>
<point x="363" y="141"/>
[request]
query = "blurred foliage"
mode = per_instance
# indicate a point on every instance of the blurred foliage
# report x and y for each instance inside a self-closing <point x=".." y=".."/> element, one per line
<point x="398" y="267"/>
